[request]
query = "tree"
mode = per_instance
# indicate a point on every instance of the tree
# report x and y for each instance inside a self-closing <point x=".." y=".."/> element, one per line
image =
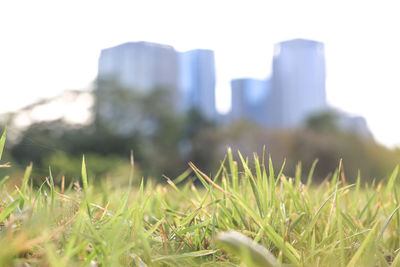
<point x="324" y="122"/>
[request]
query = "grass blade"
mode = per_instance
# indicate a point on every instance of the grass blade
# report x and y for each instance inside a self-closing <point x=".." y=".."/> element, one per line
<point x="2" y="142"/>
<point x="366" y="244"/>
<point x="8" y="210"/>
<point x="85" y="185"/>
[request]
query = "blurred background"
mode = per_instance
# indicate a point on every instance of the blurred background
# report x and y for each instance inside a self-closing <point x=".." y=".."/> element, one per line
<point x="179" y="81"/>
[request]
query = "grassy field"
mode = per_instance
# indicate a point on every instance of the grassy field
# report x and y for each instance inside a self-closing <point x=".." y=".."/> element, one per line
<point x="245" y="214"/>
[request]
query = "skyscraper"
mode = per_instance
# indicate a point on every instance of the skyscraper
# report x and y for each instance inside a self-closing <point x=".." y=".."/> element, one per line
<point x="131" y="70"/>
<point x="197" y="81"/>
<point x="141" y="66"/>
<point x="249" y="97"/>
<point x="298" y="82"/>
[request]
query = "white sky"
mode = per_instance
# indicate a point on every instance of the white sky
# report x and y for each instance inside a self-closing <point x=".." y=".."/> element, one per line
<point x="49" y="46"/>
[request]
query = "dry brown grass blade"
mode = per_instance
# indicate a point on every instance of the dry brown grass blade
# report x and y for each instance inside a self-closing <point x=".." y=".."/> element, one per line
<point x="62" y="184"/>
<point x="7" y="165"/>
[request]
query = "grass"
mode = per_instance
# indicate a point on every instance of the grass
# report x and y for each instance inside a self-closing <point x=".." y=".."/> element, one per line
<point x="246" y="213"/>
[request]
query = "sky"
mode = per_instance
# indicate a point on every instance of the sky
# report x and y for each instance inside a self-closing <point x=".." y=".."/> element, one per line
<point x="49" y="46"/>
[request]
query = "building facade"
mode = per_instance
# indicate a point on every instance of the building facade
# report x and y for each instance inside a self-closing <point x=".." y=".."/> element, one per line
<point x="141" y="66"/>
<point x="249" y="97"/>
<point x="197" y="81"/>
<point x="298" y="82"/>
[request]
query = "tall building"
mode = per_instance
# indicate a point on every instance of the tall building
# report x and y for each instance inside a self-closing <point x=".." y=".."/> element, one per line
<point x="298" y="82"/>
<point x="141" y="66"/>
<point x="249" y="97"/>
<point x="197" y="81"/>
<point x="135" y="68"/>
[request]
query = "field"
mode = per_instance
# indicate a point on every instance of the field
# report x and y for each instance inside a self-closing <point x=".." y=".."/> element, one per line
<point x="247" y="213"/>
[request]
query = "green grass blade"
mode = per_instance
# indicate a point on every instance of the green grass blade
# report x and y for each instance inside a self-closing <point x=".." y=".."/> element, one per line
<point x="51" y="189"/>
<point x="391" y="182"/>
<point x="253" y="185"/>
<point x="2" y="142"/>
<point x="363" y="249"/>
<point x="85" y="185"/>
<point x="340" y="231"/>
<point x="182" y="176"/>
<point x="385" y="225"/>
<point x="271" y="182"/>
<point x="8" y="210"/>
<point x="314" y="219"/>
<point x="84" y="176"/>
<point x="311" y="173"/>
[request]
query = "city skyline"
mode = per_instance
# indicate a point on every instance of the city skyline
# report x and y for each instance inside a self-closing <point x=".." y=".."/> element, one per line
<point x="294" y="91"/>
<point x="144" y="66"/>
<point x="362" y="53"/>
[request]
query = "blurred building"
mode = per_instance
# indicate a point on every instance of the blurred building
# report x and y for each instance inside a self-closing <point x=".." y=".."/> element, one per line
<point x="295" y="91"/>
<point x="354" y="124"/>
<point x="144" y="66"/>
<point x="297" y="84"/>
<point x="141" y="66"/>
<point x="249" y="98"/>
<point x="130" y="72"/>
<point x="197" y="81"/>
